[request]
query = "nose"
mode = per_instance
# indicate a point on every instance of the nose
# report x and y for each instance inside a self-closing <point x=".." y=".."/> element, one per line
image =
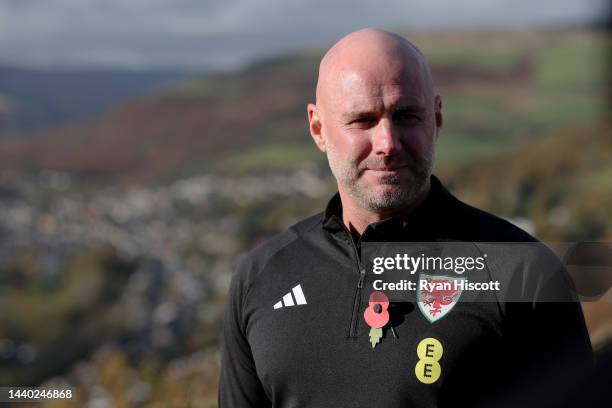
<point x="386" y="139"/>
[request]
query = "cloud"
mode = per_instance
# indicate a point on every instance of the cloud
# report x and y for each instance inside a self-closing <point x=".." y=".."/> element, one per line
<point x="198" y="33"/>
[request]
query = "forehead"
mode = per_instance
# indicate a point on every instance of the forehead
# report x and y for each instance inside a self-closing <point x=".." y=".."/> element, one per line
<point x="363" y="89"/>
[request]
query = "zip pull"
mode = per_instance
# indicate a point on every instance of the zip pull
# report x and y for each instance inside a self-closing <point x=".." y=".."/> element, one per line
<point x="362" y="275"/>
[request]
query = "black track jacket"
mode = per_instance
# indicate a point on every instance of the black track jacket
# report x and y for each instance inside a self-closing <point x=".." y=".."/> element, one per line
<point x="294" y="334"/>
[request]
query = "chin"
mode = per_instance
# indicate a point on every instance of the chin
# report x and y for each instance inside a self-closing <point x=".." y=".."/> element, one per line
<point x="385" y="197"/>
<point x="388" y="197"/>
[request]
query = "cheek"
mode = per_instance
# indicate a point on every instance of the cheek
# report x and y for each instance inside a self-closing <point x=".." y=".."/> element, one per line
<point x="419" y="141"/>
<point x="352" y="147"/>
<point x="359" y="146"/>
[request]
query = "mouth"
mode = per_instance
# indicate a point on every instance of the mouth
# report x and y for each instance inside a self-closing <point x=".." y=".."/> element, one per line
<point x="387" y="171"/>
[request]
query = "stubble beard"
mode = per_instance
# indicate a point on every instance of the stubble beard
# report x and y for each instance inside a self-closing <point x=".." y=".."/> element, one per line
<point x="408" y="192"/>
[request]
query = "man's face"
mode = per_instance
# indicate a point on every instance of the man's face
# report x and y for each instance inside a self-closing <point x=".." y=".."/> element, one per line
<point x="380" y="129"/>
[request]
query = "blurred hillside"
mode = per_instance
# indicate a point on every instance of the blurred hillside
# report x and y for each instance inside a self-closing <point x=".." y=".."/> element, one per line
<point x="118" y="235"/>
<point x="561" y="184"/>
<point x="499" y="90"/>
<point x="39" y="98"/>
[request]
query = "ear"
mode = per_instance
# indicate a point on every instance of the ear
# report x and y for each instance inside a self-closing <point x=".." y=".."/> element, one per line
<point x="315" y="126"/>
<point x="438" y="111"/>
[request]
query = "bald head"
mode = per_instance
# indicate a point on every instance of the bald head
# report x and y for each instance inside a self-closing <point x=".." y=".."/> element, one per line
<point x="371" y="52"/>
<point x="377" y="120"/>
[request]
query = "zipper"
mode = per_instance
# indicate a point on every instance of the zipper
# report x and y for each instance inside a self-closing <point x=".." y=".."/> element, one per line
<point x="357" y="300"/>
<point x="362" y="274"/>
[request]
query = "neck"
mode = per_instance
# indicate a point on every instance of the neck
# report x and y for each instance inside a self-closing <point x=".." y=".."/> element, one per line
<point x="357" y="218"/>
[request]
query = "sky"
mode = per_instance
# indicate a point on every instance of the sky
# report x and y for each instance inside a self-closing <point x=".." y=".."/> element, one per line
<point x="225" y="34"/>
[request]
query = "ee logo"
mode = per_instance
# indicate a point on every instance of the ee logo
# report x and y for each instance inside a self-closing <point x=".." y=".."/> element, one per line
<point x="428" y="368"/>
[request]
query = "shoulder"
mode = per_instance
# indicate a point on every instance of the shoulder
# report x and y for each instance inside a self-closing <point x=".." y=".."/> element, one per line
<point x="472" y="224"/>
<point x="252" y="263"/>
<point x="490" y="227"/>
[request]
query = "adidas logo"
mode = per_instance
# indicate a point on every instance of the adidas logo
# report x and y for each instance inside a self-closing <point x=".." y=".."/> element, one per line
<point x="288" y="299"/>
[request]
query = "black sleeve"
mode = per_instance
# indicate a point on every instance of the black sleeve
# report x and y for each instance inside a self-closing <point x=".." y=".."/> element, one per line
<point x="239" y="385"/>
<point x="548" y="346"/>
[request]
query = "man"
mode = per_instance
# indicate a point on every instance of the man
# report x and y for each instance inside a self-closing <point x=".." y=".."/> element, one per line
<point x="294" y="330"/>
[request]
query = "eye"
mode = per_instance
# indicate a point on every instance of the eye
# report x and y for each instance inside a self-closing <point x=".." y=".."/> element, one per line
<point x="365" y="121"/>
<point x="407" y="117"/>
